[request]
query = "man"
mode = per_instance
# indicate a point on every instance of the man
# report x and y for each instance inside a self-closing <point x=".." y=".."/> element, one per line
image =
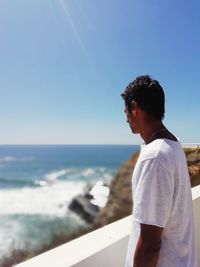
<point x="162" y="231"/>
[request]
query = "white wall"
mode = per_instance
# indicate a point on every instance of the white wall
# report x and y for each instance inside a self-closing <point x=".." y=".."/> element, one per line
<point x="196" y="207"/>
<point x="103" y="247"/>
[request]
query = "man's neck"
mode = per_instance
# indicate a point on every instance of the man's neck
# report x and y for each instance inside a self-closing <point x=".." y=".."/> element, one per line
<point x="151" y="130"/>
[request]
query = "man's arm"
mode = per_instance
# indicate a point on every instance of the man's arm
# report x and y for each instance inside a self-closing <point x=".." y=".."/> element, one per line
<point x="148" y="246"/>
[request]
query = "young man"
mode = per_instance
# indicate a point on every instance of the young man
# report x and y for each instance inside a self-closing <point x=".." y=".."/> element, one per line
<point x="162" y="233"/>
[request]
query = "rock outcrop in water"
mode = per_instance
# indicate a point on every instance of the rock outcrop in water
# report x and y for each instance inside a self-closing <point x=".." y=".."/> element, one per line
<point x="89" y="204"/>
<point x="82" y="206"/>
<point x="119" y="203"/>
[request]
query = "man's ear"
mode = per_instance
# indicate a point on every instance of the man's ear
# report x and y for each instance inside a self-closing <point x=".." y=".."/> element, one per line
<point x="134" y="107"/>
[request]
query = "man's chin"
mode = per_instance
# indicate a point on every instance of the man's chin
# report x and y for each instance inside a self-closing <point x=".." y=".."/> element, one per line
<point x="134" y="131"/>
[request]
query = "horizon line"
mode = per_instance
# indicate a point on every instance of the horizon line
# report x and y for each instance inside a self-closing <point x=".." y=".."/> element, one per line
<point x="63" y="144"/>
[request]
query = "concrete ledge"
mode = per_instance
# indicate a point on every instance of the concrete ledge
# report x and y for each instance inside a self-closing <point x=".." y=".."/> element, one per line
<point x="196" y="209"/>
<point x="105" y="245"/>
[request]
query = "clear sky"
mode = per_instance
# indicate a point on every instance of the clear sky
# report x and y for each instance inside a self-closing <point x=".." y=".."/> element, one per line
<point x="64" y="64"/>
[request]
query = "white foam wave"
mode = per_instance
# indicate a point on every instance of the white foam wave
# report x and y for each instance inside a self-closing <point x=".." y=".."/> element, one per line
<point x="100" y="194"/>
<point x="76" y="174"/>
<point x="88" y="172"/>
<point x="9" y="230"/>
<point x="107" y="176"/>
<point x="52" y="176"/>
<point x="52" y="199"/>
<point x="40" y="182"/>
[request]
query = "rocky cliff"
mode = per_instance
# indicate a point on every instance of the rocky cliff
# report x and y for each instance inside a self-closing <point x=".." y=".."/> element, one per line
<point x="193" y="160"/>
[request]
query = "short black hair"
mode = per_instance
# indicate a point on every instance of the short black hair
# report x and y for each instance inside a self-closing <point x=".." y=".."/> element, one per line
<point x="148" y="94"/>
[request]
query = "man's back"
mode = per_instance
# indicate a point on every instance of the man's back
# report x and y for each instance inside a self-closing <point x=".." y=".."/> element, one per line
<point x="162" y="197"/>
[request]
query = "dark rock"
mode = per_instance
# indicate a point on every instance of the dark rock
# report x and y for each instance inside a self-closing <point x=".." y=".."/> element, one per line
<point x="82" y="206"/>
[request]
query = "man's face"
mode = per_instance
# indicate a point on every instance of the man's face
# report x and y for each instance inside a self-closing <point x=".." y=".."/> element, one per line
<point x="131" y="119"/>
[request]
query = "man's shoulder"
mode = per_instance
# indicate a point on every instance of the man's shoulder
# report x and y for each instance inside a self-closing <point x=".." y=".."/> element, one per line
<point x="160" y="149"/>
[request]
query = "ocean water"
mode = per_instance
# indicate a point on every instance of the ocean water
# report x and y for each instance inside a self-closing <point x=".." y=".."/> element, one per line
<point x="37" y="183"/>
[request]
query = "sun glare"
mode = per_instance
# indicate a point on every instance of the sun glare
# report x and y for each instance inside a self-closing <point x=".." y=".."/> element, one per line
<point x="69" y="18"/>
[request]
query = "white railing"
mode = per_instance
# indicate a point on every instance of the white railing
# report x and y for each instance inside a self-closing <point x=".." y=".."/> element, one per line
<point x="191" y="145"/>
<point x="103" y="247"/>
<point x="184" y="145"/>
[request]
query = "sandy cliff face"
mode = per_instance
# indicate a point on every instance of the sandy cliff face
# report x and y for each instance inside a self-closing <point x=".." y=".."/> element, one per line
<point x="119" y="203"/>
<point x="194" y="171"/>
<point x="193" y="159"/>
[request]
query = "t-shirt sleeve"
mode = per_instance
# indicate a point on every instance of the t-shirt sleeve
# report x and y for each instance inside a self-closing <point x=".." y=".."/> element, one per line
<point x="153" y="194"/>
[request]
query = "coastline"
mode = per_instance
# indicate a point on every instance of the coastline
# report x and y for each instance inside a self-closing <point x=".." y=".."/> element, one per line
<point x="119" y="204"/>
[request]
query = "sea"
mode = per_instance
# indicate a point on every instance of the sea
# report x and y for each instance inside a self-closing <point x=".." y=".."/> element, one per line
<point x="37" y="183"/>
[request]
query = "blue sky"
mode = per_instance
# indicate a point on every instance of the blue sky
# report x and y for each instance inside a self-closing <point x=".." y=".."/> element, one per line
<point x="64" y="64"/>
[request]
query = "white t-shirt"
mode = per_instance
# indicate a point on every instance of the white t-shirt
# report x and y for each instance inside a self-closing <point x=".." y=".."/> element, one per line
<point x="162" y="197"/>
